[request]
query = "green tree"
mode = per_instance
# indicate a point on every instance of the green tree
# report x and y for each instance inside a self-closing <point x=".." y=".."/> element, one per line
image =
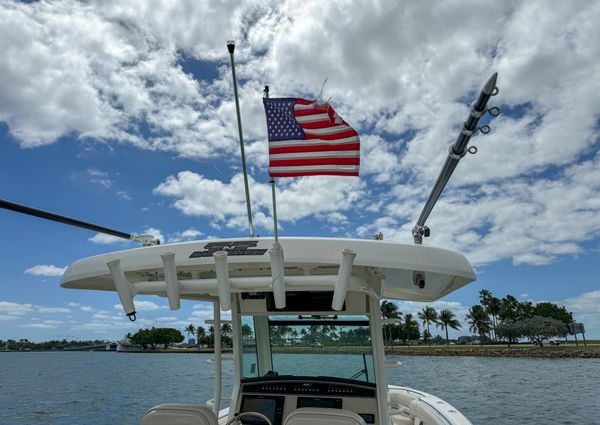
<point x="510" y="330"/>
<point x="509" y="308"/>
<point x="525" y="310"/>
<point x="479" y="321"/>
<point x="166" y="336"/>
<point x="447" y="319"/>
<point x="537" y="328"/>
<point x="144" y="338"/>
<point x="428" y="315"/>
<point x="553" y="311"/>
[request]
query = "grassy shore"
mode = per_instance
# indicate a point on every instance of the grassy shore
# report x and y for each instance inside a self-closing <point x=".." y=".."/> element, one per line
<point x="568" y="350"/>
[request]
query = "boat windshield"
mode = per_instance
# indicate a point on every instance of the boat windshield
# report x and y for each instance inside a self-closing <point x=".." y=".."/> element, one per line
<point x="332" y="346"/>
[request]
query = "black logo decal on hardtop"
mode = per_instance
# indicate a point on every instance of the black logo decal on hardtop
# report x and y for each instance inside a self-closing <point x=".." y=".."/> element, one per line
<point x="232" y="248"/>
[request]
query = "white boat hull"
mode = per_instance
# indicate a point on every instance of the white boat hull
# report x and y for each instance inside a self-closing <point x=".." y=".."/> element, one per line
<point x="413" y="407"/>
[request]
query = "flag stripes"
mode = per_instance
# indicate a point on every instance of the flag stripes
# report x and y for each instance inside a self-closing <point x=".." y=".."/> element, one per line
<point x="307" y="138"/>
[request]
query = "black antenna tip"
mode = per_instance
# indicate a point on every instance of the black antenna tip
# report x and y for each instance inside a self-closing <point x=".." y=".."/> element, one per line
<point x="231" y="46"/>
<point x="491" y="84"/>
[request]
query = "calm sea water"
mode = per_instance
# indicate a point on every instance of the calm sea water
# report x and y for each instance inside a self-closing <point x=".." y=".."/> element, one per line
<point x="113" y="388"/>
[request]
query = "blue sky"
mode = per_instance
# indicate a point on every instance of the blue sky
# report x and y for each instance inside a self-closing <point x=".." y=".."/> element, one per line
<point x="110" y="114"/>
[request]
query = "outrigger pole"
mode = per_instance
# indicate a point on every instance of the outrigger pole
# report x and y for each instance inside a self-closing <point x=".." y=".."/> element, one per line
<point x="231" y="48"/>
<point x="145" y="240"/>
<point x="458" y="150"/>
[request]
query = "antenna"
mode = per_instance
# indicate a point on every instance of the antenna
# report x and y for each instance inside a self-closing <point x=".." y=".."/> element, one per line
<point x="231" y="48"/>
<point x="145" y="240"/>
<point x="458" y="150"/>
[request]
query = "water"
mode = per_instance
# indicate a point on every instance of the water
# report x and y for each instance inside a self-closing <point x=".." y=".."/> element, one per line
<point x="112" y="388"/>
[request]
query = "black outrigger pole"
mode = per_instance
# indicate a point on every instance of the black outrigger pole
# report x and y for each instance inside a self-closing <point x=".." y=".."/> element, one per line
<point x="24" y="209"/>
<point x="458" y="150"/>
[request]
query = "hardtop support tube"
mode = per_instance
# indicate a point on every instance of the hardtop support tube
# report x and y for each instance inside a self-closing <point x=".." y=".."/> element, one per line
<point x="457" y="151"/>
<point x="217" y="351"/>
<point x="272" y="181"/>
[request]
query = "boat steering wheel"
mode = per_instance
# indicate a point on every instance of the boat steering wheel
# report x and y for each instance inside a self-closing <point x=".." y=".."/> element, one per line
<point x="237" y="418"/>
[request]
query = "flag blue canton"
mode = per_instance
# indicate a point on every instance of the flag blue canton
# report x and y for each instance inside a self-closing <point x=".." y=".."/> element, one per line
<point x="281" y="123"/>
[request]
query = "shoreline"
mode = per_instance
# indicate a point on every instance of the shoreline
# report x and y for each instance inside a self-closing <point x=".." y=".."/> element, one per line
<point x="561" y="352"/>
<point x="564" y="352"/>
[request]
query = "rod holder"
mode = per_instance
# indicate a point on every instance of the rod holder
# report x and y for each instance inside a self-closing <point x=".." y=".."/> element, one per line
<point x="278" y="275"/>
<point x="223" y="282"/>
<point x="341" y="286"/>
<point x="171" y="281"/>
<point x="122" y="287"/>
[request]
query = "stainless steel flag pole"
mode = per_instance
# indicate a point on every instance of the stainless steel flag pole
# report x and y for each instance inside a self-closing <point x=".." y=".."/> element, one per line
<point x="458" y="150"/>
<point x="231" y="48"/>
<point x="272" y="181"/>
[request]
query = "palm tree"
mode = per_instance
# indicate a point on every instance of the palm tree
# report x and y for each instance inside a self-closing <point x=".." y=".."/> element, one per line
<point x="447" y="318"/>
<point x="409" y="326"/>
<point x="294" y="335"/>
<point x="303" y="334"/>
<point x="479" y="321"/>
<point x="492" y="306"/>
<point x="190" y="330"/>
<point x="200" y="333"/>
<point x="493" y="310"/>
<point x="226" y="329"/>
<point x="428" y="315"/>
<point x="389" y="310"/>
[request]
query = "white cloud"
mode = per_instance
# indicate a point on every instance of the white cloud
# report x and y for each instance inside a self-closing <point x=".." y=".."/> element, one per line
<point x="8" y="317"/>
<point x="186" y="235"/>
<point x="532" y="221"/>
<point x="225" y="202"/>
<point x="15" y="309"/>
<point x="101" y="178"/>
<point x="203" y="311"/>
<point x="39" y="326"/>
<point x="45" y="270"/>
<point x="41" y="309"/>
<point x="586" y="309"/>
<point x="123" y="195"/>
<point x="104" y="239"/>
<point x="143" y="306"/>
<point x="87" y="309"/>
<point x="111" y="71"/>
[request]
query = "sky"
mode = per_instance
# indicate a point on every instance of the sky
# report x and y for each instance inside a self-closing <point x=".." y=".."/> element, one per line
<point x="122" y="113"/>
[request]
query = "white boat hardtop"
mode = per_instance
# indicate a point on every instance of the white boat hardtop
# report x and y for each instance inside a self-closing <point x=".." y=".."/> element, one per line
<point x="395" y="264"/>
<point x="323" y="292"/>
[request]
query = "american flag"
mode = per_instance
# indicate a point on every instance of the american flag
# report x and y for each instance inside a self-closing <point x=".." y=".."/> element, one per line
<point x="307" y="138"/>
